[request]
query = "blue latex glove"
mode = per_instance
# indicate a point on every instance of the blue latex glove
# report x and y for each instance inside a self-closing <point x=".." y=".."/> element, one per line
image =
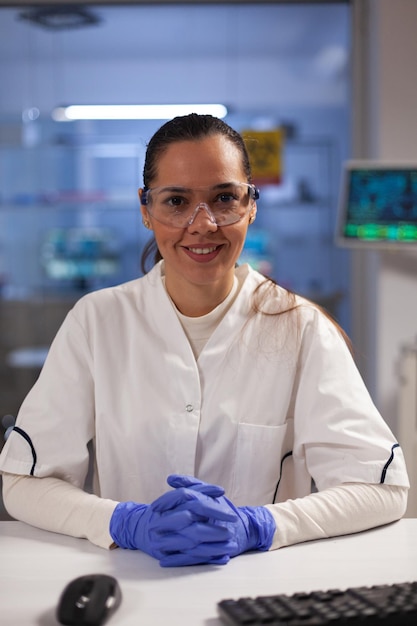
<point x="250" y="528"/>
<point x="172" y="529"/>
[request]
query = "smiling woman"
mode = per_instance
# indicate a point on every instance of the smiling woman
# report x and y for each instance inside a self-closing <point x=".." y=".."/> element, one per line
<point x="201" y="249"/>
<point x="207" y="376"/>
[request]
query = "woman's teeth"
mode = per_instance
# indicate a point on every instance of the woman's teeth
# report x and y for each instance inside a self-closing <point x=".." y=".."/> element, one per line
<point x="203" y="250"/>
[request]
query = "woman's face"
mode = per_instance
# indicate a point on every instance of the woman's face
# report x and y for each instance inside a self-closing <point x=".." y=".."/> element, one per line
<point x="201" y="254"/>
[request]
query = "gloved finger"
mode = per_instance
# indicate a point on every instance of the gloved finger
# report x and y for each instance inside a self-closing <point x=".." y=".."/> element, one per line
<point x="183" y="559"/>
<point x="181" y="543"/>
<point x="191" y="537"/>
<point x="172" y="499"/>
<point x="172" y="521"/>
<point x="206" y="508"/>
<point x="180" y="480"/>
<point x="206" y="551"/>
<point x="196" y="503"/>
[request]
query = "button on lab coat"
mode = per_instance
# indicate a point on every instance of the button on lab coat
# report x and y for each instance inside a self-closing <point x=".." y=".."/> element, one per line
<point x="273" y="403"/>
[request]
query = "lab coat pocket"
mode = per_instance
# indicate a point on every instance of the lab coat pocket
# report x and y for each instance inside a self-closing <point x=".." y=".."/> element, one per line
<point x="259" y="450"/>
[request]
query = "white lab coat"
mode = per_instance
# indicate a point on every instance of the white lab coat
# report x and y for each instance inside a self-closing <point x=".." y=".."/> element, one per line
<point x="272" y="404"/>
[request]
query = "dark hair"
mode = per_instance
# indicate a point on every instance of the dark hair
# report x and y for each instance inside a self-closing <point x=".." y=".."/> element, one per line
<point x="186" y="128"/>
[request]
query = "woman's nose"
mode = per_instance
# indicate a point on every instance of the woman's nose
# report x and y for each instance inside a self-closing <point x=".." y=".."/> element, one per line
<point x="202" y="219"/>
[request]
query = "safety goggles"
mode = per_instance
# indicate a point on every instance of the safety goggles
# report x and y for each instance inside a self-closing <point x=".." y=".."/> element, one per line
<point x="225" y="203"/>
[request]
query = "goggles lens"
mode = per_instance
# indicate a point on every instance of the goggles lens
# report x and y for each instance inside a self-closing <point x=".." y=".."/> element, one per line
<point x="176" y="206"/>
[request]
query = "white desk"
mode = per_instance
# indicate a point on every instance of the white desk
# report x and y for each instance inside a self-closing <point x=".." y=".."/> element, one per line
<point x="36" y="565"/>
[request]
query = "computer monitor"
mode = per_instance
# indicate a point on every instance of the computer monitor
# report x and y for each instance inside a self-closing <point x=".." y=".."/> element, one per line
<point x="377" y="205"/>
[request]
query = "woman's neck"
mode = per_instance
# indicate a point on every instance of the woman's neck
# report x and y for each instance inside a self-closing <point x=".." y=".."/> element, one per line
<point x="195" y="300"/>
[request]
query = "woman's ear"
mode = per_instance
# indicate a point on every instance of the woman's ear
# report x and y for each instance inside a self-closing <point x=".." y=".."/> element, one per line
<point x="140" y="195"/>
<point x="252" y="215"/>
<point x="145" y="215"/>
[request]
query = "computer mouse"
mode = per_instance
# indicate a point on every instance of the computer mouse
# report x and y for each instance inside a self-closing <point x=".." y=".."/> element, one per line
<point x="89" y="600"/>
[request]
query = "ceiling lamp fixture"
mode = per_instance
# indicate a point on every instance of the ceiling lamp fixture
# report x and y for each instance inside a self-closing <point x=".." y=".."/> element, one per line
<point x="133" y="111"/>
<point x="60" y="17"/>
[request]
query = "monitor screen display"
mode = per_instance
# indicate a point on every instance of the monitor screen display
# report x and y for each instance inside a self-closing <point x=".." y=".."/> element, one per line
<point x="377" y="205"/>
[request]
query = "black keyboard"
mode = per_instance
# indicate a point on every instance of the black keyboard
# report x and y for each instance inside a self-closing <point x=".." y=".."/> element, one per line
<point x="381" y="605"/>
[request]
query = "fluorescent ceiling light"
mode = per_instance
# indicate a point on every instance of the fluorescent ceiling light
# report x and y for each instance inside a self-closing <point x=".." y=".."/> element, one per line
<point x="134" y="111"/>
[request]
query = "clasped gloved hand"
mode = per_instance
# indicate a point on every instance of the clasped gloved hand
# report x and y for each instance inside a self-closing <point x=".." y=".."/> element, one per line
<point x="171" y="529"/>
<point x="192" y="524"/>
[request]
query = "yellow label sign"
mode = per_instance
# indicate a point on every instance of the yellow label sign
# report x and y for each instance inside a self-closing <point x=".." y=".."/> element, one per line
<point x="265" y="154"/>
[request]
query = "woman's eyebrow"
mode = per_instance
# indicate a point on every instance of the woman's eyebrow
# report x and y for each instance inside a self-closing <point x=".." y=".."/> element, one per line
<point x="179" y="188"/>
<point x="174" y="188"/>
